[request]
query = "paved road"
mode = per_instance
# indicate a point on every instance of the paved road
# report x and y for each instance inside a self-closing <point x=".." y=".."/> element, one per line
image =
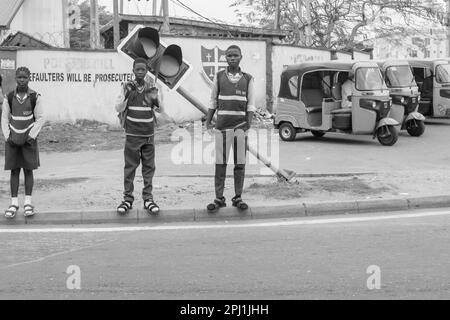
<point x="333" y="153"/>
<point x="299" y="261"/>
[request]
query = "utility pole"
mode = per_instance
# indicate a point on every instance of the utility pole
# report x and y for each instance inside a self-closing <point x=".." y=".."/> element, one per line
<point x="116" y="23"/>
<point x="94" y="26"/>
<point x="276" y="25"/>
<point x="155" y="7"/>
<point x="166" y="24"/>
<point x="66" y="27"/>
<point x="447" y="20"/>
<point x="308" y="23"/>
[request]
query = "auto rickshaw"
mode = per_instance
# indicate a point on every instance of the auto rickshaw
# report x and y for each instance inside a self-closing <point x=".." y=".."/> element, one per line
<point x="433" y="79"/>
<point x="405" y="96"/>
<point x="310" y="99"/>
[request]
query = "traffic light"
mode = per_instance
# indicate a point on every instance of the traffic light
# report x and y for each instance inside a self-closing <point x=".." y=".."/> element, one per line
<point x="165" y="62"/>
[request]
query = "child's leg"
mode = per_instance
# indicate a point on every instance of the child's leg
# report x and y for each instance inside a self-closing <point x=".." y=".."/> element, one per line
<point x="148" y="168"/>
<point x="29" y="183"/>
<point x="240" y="155"/>
<point x="14" y="182"/>
<point x="132" y="155"/>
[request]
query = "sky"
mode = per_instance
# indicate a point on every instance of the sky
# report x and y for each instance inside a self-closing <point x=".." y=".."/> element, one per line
<point x="213" y="9"/>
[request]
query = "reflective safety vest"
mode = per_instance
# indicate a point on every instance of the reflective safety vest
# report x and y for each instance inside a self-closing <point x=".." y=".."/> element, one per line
<point x="22" y="116"/>
<point x="139" y="119"/>
<point x="232" y="101"/>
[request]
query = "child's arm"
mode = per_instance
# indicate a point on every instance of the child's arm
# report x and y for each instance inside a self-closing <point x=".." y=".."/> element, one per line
<point x="121" y="101"/>
<point x="39" y="119"/>
<point x="5" y="119"/>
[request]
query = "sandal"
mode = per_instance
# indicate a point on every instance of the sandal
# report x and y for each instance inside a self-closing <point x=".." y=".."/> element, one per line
<point x="216" y="205"/>
<point x="124" y="207"/>
<point x="238" y="203"/>
<point x="28" y="210"/>
<point x="151" y="207"/>
<point x="10" y="213"/>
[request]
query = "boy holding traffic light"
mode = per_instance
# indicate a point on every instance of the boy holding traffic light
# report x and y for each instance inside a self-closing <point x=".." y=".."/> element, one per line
<point x="136" y="105"/>
<point x="22" y="120"/>
<point x="233" y="97"/>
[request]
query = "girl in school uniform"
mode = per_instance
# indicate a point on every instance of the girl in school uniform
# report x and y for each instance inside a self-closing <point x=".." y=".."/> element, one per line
<point x="22" y="120"/>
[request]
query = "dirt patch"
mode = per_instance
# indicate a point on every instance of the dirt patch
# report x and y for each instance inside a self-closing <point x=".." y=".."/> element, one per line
<point x="44" y="185"/>
<point x="85" y="135"/>
<point x="282" y="190"/>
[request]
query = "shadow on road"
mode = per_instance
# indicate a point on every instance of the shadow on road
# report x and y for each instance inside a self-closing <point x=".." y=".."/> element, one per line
<point x="435" y="122"/>
<point x="335" y="139"/>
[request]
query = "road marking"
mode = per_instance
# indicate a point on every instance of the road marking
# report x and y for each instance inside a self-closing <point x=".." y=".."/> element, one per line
<point x="55" y="255"/>
<point x="229" y="226"/>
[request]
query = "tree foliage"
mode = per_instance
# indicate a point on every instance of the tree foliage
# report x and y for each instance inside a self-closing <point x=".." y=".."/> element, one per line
<point x="80" y="38"/>
<point x="339" y="23"/>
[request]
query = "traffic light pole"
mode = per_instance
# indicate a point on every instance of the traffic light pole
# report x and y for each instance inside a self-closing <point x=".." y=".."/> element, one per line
<point x="282" y="174"/>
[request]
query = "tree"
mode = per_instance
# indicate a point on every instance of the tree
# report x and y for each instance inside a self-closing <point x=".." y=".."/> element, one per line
<point x="80" y="38"/>
<point x="339" y="23"/>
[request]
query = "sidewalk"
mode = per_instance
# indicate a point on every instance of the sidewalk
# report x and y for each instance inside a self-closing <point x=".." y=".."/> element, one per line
<point x="92" y="181"/>
<point x="298" y="210"/>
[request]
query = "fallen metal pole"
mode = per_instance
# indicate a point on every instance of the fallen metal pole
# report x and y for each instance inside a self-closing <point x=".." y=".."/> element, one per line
<point x="282" y="174"/>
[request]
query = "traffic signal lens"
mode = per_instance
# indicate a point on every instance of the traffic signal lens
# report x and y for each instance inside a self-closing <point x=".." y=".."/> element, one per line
<point x="169" y="66"/>
<point x="171" y="61"/>
<point x="149" y="47"/>
<point x="148" y="43"/>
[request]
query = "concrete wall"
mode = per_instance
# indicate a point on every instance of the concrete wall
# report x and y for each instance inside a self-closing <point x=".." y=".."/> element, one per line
<point x="361" y="55"/>
<point x="85" y="84"/>
<point x="253" y="62"/>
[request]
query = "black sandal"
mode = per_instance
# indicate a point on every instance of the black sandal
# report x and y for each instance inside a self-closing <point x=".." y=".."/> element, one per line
<point x="124" y="207"/>
<point x="11" y="212"/>
<point x="28" y="210"/>
<point x="238" y="203"/>
<point x="151" y="207"/>
<point x="216" y="205"/>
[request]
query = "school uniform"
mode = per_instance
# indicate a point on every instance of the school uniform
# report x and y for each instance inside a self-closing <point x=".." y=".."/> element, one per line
<point x="139" y="143"/>
<point x="21" y="123"/>
<point x="232" y="97"/>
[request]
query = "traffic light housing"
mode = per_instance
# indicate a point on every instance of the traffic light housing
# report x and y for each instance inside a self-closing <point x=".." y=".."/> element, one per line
<point x="164" y="62"/>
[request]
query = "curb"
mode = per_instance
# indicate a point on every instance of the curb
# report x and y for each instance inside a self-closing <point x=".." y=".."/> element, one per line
<point x="308" y="209"/>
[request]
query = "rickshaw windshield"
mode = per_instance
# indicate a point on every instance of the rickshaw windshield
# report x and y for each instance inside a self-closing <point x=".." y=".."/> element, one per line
<point x="399" y="76"/>
<point x="443" y="73"/>
<point x="369" y="78"/>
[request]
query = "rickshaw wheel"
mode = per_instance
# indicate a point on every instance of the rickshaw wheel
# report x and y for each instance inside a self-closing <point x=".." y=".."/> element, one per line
<point x="387" y="135"/>
<point x="318" y="134"/>
<point x="287" y="131"/>
<point x="415" y="128"/>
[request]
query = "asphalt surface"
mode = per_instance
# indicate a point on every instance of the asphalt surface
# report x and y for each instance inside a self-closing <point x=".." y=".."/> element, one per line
<point x="327" y="260"/>
<point x="334" y="153"/>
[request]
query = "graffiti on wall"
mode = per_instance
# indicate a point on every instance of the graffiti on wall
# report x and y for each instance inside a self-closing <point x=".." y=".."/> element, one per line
<point x="73" y="68"/>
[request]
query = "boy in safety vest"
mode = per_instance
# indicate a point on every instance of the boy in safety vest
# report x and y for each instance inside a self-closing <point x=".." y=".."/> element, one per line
<point x="22" y="120"/>
<point x="233" y="97"/>
<point x="136" y="104"/>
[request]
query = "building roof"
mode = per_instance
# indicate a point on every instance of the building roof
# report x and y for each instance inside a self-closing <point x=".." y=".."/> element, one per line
<point x="22" y="39"/>
<point x="9" y="9"/>
<point x="223" y="28"/>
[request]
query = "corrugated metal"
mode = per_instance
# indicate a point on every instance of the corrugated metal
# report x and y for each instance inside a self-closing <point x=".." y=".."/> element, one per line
<point x="8" y="9"/>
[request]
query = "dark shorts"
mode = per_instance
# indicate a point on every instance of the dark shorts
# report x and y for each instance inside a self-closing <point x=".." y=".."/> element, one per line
<point x="25" y="156"/>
